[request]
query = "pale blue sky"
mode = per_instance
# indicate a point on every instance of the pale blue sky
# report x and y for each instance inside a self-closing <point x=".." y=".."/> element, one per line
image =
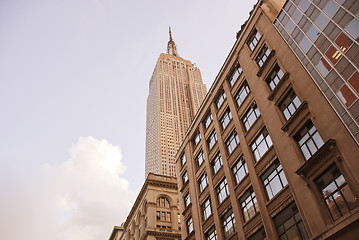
<point x="81" y="68"/>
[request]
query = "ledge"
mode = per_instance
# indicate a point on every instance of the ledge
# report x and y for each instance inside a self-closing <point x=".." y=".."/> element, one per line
<point x="316" y="159"/>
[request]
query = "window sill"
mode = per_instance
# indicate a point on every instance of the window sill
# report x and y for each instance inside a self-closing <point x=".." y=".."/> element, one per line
<point x="319" y="159"/>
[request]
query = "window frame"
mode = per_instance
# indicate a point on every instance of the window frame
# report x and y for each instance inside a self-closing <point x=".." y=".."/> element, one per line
<point x="200" y="153"/>
<point x="187" y="200"/>
<point x="245" y="200"/>
<point x="233" y="138"/>
<point x="222" y="185"/>
<point x="247" y="118"/>
<point x="225" y="119"/>
<point x="206" y="207"/>
<point x="311" y="136"/>
<point x="208" y="120"/>
<point x="265" y="137"/>
<point x="212" y="140"/>
<point x="236" y="169"/>
<point x="255" y="36"/>
<point x="203" y="179"/>
<point x="289" y="104"/>
<point x="217" y="163"/>
<point x="235" y="74"/>
<point x="185" y="178"/>
<point x="220" y="99"/>
<point x="189" y="225"/>
<point x="262" y="55"/>
<point x="243" y="89"/>
<point x="229" y="223"/>
<point x="269" y="180"/>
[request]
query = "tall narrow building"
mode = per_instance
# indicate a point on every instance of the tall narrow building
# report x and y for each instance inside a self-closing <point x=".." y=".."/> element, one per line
<point x="176" y="92"/>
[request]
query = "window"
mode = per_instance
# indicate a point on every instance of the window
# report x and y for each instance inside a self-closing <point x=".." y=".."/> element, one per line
<point x="309" y="140"/>
<point x="232" y="142"/>
<point x="262" y="55"/>
<point x="251" y="116"/>
<point x="211" y="234"/>
<point x="229" y="223"/>
<point x="235" y="74"/>
<point x="212" y="140"/>
<point x="187" y="200"/>
<point x="163" y="216"/>
<point x="254" y="39"/>
<point x="290" y="104"/>
<point x="197" y="138"/>
<point x="258" y="235"/>
<point x="217" y="163"/>
<point x="226" y="118"/>
<point x="163" y="202"/>
<point x="189" y="225"/>
<point x="185" y="177"/>
<point x="240" y="170"/>
<point x="208" y="120"/>
<point x="222" y="190"/>
<point x="261" y="144"/>
<point x="206" y="209"/>
<point x="183" y="159"/>
<point x="242" y="93"/>
<point x="248" y="204"/>
<point x="289" y="224"/>
<point x="220" y="100"/>
<point x="203" y="182"/>
<point x="336" y="193"/>
<point x="274" y="179"/>
<point x="274" y="77"/>
<point x="158" y="215"/>
<point x="199" y="158"/>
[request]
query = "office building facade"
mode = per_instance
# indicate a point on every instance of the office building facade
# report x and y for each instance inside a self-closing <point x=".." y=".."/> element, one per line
<point x="155" y="213"/>
<point x="176" y="91"/>
<point x="268" y="155"/>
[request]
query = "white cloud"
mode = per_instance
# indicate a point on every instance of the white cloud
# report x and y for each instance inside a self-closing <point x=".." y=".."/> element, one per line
<point x="82" y="198"/>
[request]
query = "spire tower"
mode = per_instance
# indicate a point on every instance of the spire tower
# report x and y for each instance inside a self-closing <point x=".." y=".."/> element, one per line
<point x="171" y="46"/>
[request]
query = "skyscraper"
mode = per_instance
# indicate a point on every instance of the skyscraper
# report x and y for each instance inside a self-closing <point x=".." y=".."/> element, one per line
<point x="176" y="92"/>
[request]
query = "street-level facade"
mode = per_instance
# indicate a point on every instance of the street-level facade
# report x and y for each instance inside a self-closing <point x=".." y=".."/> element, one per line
<point x="267" y="156"/>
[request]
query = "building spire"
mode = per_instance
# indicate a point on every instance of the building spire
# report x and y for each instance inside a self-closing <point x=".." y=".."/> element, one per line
<point x="171" y="46"/>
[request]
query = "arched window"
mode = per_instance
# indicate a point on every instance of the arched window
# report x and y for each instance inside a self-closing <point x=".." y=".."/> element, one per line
<point x="163" y="202"/>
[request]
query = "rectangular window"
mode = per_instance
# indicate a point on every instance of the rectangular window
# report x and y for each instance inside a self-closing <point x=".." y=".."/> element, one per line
<point x="189" y="225"/>
<point x="274" y="77"/>
<point x="211" y="234"/>
<point x="289" y="224"/>
<point x="206" y="209"/>
<point x="262" y="55"/>
<point x="220" y="100"/>
<point x="261" y="144"/>
<point x="242" y="93"/>
<point x="158" y="215"/>
<point x="208" y="120"/>
<point x="212" y="140"/>
<point x="226" y="118"/>
<point x="222" y="190"/>
<point x="274" y="179"/>
<point x="203" y="182"/>
<point x="229" y="224"/>
<point x="254" y="39"/>
<point x="217" y="163"/>
<point x="199" y="158"/>
<point x="248" y="204"/>
<point x="197" y="138"/>
<point x="308" y="140"/>
<point x="235" y="74"/>
<point x="185" y="177"/>
<point x="336" y="193"/>
<point x="187" y="200"/>
<point x="251" y="116"/>
<point x="183" y="159"/>
<point x="232" y="142"/>
<point x="290" y="104"/>
<point x="240" y="170"/>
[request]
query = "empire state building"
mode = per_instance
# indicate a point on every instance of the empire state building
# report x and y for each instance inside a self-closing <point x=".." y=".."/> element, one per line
<point x="176" y="92"/>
